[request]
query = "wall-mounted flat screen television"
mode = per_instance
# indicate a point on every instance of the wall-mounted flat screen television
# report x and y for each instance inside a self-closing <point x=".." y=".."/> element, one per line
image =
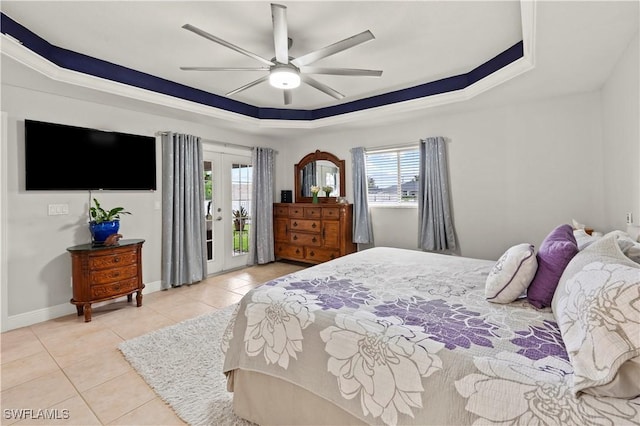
<point x="61" y="158"/>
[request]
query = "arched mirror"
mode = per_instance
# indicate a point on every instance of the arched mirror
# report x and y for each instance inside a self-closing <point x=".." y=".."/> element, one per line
<point x="319" y="169"/>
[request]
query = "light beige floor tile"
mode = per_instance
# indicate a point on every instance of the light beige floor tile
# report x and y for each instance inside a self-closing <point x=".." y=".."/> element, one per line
<point x="165" y="300"/>
<point x="143" y="324"/>
<point x="218" y="298"/>
<point x="153" y="413"/>
<point x="97" y="369"/>
<point x="39" y="393"/>
<point x="64" y="325"/>
<point x="73" y="411"/>
<point x="188" y="310"/>
<point x="16" y="344"/>
<point x="26" y="369"/>
<point x="118" y="396"/>
<point x="67" y="351"/>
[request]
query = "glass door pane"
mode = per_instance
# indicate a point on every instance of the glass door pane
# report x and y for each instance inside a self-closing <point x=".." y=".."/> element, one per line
<point x="241" y="177"/>
<point x="208" y="206"/>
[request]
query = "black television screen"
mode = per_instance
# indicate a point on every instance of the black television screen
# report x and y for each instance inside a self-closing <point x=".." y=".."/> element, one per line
<point x="61" y="157"/>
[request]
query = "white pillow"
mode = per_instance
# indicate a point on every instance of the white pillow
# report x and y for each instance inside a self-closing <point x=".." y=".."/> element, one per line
<point x="597" y="310"/>
<point x="512" y="274"/>
<point x="583" y="239"/>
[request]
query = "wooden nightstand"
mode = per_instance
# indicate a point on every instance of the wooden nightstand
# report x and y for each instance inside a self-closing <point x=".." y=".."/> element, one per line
<point x="103" y="273"/>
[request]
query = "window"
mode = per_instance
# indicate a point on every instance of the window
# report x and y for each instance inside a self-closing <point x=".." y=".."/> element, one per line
<point x="393" y="176"/>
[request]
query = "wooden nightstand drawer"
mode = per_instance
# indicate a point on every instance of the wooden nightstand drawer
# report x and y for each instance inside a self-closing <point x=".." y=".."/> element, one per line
<point x="306" y="239"/>
<point x="110" y="275"/>
<point x="114" y="289"/>
<point x="111" y="261"/>
<point x="305" y="225"/>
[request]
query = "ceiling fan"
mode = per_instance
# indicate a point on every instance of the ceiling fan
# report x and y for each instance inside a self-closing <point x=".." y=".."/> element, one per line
<point x="286" y="72"/>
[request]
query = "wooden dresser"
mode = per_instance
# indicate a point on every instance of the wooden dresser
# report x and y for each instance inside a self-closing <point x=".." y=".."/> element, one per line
<point x="312" y="233"/>
<point x="103" y="273"/>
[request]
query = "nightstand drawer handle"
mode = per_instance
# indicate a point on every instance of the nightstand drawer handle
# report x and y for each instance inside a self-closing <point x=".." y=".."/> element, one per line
<point x="295" y="224"/>
<point x="295" y="237"/>
<point x="116" y="259"/>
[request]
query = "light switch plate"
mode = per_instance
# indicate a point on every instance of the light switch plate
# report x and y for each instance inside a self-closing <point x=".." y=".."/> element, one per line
<point x="58" y="209"/>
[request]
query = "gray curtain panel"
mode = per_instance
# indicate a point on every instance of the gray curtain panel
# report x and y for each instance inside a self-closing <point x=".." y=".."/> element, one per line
<point x="184" y="259"/>
<point x="434" y="213"/>
<point x="261" y="248"/>
<point x="362" y="230"/>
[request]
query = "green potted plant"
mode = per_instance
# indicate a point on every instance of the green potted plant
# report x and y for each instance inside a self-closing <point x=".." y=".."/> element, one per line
<point x="239" y="218"/>
<point x="104" y="222"/>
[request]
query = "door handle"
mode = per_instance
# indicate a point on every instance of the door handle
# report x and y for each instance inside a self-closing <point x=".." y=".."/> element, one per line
<point x="219" y="218"/>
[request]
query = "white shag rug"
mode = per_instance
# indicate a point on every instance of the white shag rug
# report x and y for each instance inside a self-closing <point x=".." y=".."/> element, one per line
<point x="183" y="364"/>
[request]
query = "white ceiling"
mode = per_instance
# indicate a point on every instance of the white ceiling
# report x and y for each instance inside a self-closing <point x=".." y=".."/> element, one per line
<point x="576" y="42"/>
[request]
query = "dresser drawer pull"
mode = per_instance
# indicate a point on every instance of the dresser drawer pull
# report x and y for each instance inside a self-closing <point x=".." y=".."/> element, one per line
<point x="297" y="251"/>
<point x="313" y="240"/>
<point x="295" y="237"/>
<point x="313" y="225"/>
<point x="115" y="274"/>
<point x="312" y="254"/>
<point x="116" y="259"/>
<point x="295" y="224"/>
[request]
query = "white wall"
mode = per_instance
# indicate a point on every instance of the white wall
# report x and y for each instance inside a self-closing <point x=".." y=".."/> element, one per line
<point x="621" y="139"/>
<point x="516" y="172"/>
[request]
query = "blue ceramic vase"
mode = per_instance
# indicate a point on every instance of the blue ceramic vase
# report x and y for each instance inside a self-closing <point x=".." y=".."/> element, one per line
<point x="100" y="231"/>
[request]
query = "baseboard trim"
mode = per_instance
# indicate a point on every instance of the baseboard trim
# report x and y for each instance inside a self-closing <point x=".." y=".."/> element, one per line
<point x="40" y="315"/>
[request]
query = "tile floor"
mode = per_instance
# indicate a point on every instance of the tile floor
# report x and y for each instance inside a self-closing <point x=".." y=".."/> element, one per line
<point x="73" y="370"/>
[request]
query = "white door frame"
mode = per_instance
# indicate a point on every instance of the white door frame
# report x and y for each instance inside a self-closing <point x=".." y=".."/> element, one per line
<point x="222" y="158"/>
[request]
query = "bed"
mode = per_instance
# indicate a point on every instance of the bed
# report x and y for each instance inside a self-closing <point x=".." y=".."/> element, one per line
<point x="392" y="336"/>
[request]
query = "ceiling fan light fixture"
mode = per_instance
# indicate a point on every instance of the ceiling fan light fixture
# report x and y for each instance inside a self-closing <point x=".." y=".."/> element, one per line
<point x="284" y="77"/>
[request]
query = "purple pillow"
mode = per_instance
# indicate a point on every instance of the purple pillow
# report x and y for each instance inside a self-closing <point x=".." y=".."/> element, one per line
<point x="555" y="252"/>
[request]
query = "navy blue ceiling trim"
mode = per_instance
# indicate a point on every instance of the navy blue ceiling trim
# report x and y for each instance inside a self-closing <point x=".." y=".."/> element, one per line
<point x="107" y="70"/>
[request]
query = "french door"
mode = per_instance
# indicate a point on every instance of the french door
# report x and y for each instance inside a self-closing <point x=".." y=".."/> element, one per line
<point x="227" y="206"/>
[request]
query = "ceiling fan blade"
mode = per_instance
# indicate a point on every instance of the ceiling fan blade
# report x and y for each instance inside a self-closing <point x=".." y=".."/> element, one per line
<point x="333" y="49"/>
<point x="321" y="87"/>
<point x="341" y="71"/>
<point x="246" y="86"/>
<point x="226" y="43"/>
<point x="288" y="97"/>
<point x="280" y="34"/>
<point x="223" y="69"/>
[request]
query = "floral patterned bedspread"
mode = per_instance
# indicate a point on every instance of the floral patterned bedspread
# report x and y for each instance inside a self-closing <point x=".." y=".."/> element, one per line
<point x="397" y="336"/>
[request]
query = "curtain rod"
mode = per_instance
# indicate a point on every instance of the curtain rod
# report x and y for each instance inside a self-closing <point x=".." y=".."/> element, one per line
<point x="411" y="144"/>
<point x="225" y="144"/>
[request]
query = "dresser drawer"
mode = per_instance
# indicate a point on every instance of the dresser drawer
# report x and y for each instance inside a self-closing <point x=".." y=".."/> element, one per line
<point x="321" y="254"/>
<point x="305" y="225"/>
<point x="306" y="239"/>
<point x="281" y="211"/>
<point x="313" y="212"/>
<point x="289" y="251"/>
<point x="331" y="213"/>
<point x="115" y="274"/>
<point x="295" y="211"/>
<point x="112" y="260"/>
<point x="114" y="289"/>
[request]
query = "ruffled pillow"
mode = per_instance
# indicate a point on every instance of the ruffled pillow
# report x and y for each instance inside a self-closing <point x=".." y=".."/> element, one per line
<point x="597" y="309"/>
<point x="512" y="274"/>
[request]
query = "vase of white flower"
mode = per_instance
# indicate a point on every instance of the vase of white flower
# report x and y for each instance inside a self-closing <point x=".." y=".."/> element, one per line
<point x="327" y="191"/>
<point x="314" y="192"/>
